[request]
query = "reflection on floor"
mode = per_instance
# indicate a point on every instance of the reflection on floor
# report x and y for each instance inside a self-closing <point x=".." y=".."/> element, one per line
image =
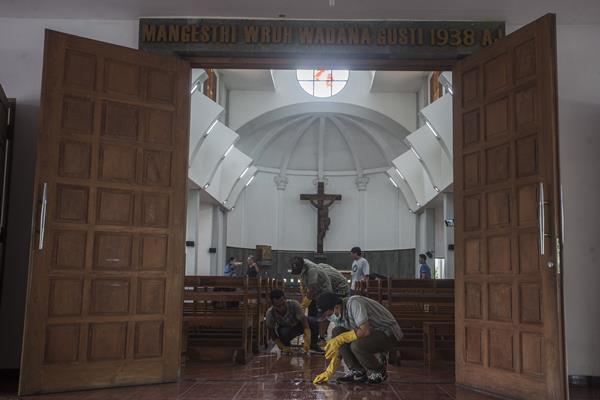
<point x="267" y="377"/>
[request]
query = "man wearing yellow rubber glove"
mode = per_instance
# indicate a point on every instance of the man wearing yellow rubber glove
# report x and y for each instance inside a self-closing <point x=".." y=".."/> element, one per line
<point x="325" y="377"/>
<point x="363" y="329"/>
<point x="314" y="281"/>
<point x="285" y="320"/>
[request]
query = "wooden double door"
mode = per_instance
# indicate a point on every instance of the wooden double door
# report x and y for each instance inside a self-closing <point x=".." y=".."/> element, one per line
<point x="107" y="259"/>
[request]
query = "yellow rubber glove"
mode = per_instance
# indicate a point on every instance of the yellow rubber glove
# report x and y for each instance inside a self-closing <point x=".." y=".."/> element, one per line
<point x="332" y="347"/>
<point x="328" y="373"/>
<point x="284" y="349"/>
<point x="305" y="303"/>
<point x="307" y="336"/>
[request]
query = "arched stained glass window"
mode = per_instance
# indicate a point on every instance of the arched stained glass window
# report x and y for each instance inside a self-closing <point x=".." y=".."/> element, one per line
<point x="322" y="82"/>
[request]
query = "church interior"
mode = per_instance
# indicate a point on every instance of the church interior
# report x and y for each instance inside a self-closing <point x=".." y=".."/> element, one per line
<point x="172" y="292"/>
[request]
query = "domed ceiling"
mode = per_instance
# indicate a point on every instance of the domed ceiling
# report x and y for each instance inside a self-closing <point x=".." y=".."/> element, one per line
<point x="351" y="141"/>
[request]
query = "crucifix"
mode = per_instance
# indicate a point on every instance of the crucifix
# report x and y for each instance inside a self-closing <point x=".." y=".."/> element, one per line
<point x="321" y="202"/>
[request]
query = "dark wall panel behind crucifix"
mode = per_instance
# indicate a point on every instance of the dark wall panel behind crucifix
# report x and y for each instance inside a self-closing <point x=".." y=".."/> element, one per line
<point x="393" y="263"/>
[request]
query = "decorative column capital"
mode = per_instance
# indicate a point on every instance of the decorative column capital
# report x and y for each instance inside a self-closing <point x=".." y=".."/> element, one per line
<point x="361" y="183"/>
<point x="281" y="182"/>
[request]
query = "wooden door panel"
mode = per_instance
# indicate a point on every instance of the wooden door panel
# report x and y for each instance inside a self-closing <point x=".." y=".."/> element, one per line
<point x="106" y="273"/>
<point x="508" y="321"/>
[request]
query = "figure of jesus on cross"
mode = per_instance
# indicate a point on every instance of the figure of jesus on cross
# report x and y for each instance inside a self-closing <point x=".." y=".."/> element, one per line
<point x="321" y="202"/>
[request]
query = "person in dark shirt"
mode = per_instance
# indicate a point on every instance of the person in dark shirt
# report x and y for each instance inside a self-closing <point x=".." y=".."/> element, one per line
<point x="424" y="270"/>
<point x="253" y="268"/>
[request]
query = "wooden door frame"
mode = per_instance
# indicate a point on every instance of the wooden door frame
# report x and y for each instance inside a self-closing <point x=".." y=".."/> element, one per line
<point x="288" y="62"/>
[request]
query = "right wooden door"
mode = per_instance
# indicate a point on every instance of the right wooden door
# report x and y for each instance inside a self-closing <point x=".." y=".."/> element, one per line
<point x="509" y="337"/>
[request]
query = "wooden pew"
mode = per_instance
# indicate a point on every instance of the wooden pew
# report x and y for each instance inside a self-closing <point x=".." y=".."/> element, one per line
<point x="425" y="311"/>
<point x="212" y="328"/>
<point x="226" y="311"/>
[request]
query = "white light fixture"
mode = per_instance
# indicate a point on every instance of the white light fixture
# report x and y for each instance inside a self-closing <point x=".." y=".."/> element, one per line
<point x="400" y="174"/>
<point x="437" y="135"/>
<point x="210" y="128"/>
<point x="244" y="173"/>
<point x="206" y="185"/>
<point x="250" y="181"/>
<point x="228" y="151"/>
<point x="415" y="153"/>
<point x="195" y="87"/>
<point x="284" y="280"/>
<point x="393" y="182"/>
<point x="410" y="210"/>
<point x="437" y="189"/>
<point x="449" y="88"/>
<point x="418" y="204"/>
<point x="292" y="280"/>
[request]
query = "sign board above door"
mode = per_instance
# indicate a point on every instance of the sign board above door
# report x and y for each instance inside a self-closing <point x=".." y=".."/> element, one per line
<point x="309" y="39"/>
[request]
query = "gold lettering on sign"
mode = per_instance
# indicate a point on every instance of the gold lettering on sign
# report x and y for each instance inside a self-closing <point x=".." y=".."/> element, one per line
<point x="438" y="35"/>
<point x="185" y="34"/>
<point x="173" y="33"/>
<point x="251" y="34"/>
<point x="353" y="36"/>
<point x="205" y="34"/>
<point x="486" y="37"/>
<point x="149" y="33"/>
<point x="319" y="36"/>
<point x="195" y="34"/>
<point x="265" y="34"/>
<point x="365" y="36"/>
<point x="306" y="35"/>
<point x="161" y="35"/>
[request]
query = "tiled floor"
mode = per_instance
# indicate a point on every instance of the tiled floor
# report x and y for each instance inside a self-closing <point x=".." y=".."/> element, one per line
<point x="269" y="377"/>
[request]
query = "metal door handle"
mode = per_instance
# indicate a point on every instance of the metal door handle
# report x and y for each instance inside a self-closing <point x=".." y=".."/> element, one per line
<point x="542" y="221"/>
<point x="43" y="216"/>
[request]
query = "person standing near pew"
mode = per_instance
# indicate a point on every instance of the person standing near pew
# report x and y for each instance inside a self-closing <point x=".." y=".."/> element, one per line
<point x="424" y="270"/>
<point x="285" y="321"/>
<point x="360" y="268"/>
<point x="363" y="329"/>
<point x="253" y="269"/>
<point x="314" y="281"/>
<point x="231" y="267"/>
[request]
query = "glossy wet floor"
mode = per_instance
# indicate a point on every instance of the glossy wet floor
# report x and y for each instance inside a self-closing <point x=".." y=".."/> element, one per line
<point x="270" y="377"/>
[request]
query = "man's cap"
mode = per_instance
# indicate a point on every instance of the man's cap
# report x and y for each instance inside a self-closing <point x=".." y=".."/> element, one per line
<point x="327" y="301"/>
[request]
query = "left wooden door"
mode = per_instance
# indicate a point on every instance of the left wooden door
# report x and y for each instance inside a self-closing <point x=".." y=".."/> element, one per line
<point x="107" y="257"/>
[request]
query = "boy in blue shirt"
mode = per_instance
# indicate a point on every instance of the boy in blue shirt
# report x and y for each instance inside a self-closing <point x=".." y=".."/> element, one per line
<point x="424" y="270"/>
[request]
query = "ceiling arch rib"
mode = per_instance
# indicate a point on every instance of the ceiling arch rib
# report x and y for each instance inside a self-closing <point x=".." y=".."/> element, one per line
<point x="342" y="129"/>
<point x="383" y="147"/>
<point x="331" y="108"/>
<point x="263" y="143"/>
<point x="285" y="159"/>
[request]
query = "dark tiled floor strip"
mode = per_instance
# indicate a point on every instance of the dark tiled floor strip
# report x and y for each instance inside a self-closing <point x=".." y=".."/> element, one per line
<point x="266" y="377"/>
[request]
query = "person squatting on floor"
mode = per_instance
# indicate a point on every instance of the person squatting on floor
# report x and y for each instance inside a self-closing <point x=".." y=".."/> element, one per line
<point x="285" y="321"/>
<point x="313" y="282"/>
<point x="363" y="328"/>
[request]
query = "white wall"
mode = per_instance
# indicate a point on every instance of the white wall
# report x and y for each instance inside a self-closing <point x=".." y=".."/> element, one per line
<point x="265" y="215"/>
<point x="579" y="122"/>
<point x="247" y="105"/>
<point x="191" y="234"/>
<point x="21" y="52"/>
<point x="204" y="241"/>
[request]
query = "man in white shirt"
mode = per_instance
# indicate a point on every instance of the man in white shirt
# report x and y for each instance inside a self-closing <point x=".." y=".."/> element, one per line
<point x="360" y="267"/>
